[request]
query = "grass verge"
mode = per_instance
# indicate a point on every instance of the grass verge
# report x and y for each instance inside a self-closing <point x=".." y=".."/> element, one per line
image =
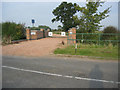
<point x="98" y="51"/>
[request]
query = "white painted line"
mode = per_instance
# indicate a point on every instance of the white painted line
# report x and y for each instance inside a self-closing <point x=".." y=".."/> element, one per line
<point x="68" y="76"/>
<point x="52" y="74"/>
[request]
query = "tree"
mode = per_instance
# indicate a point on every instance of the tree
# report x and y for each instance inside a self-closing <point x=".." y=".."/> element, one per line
<point x="64" y="13"/>
<point x="0" y="31"/>
<point x="90" y="17"/>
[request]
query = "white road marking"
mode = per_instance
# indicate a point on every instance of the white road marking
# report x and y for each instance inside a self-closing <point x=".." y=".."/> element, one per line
<point x="52" y="74"/>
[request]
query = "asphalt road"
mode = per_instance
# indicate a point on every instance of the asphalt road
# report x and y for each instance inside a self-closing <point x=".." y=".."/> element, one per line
<point x="58" y="72"/>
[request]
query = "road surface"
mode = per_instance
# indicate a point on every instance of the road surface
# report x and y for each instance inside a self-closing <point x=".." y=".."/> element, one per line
<point x="58" y="72"/>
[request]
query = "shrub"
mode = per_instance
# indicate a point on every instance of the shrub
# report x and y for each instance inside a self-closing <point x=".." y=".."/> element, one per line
<point x="109" y="29"/>
<point x="12" y="31"/>
<point x="110" y="33"/>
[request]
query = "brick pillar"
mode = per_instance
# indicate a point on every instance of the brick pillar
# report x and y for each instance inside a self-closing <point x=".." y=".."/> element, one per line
<point x="28" y="34"/>
<point x="41" y="29"/>
<point x="72" y="35"/>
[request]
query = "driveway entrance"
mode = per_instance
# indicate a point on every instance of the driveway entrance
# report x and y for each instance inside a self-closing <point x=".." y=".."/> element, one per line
<point x="41" y="47"/>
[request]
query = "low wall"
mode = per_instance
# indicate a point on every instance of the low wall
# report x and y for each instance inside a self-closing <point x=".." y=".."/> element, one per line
<point x="36" y="34"/>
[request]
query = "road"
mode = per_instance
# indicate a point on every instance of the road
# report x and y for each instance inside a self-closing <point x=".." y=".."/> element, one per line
<point x="58" y="72"/>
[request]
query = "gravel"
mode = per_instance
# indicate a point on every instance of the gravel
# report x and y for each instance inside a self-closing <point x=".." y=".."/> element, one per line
<point x="41" y="47"/>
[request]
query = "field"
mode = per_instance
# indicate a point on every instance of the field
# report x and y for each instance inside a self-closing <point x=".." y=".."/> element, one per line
<point x="109" y="52"/>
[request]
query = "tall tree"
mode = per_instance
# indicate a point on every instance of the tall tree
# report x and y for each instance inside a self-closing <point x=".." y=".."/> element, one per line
<point x="90" y="18"/>
<point x="64" y="13"/>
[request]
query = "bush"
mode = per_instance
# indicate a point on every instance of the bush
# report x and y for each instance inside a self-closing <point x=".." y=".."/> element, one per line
<point x="12" y="31"/>
<point x="110" y="29"/>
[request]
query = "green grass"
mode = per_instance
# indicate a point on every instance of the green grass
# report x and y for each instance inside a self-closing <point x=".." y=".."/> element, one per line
<point x="101" y="51"/>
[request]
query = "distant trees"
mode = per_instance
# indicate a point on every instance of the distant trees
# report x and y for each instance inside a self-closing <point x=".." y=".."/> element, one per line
<point x="40" y="27"/>
<point x="64" y="13"/>
<point x="59" y="27"/>
<point x="0" y="31"/>
<point x="110" y="29"/>
<point x="44" y="27"/>
<point x="12" y="31"/>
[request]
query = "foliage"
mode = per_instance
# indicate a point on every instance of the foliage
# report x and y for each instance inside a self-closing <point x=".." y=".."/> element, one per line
<point x="110" y="29"/>
<point x="40" y="27"/>
<point x="0" y="31"/>
<point x="64" y="13"/>
<point x="12" y="31"/>
<point x="44" y="27"/>
<point x="90" y="16"/>
<point x="34" y="28"/>
<point x="59" y="27"/>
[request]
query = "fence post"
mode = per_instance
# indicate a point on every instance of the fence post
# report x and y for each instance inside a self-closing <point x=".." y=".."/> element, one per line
<point x="82" y="37"/>
<point x="99" y="38"/>
<point x="67" y="39"/>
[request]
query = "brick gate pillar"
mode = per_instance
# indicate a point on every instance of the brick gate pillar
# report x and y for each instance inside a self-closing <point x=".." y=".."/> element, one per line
<point x="72" y="36"/>
<point x="28" y="34"/>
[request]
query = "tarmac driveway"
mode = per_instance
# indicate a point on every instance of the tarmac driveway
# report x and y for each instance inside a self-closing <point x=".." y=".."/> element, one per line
<point x="58" y="72"/>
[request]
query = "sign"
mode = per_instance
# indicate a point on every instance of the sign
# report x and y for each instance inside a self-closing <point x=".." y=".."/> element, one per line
<point x="33" y="33"/>
<point x="82" y="41"/>
<point x="70" y="32"/>
<point x="76" y="46"/>
<point x="50" y="33"/>
<point x="33" y="21"/>
<point x="62" y="33"/>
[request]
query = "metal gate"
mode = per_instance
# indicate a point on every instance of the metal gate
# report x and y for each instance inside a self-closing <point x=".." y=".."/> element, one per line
<point x="96" y="38"/>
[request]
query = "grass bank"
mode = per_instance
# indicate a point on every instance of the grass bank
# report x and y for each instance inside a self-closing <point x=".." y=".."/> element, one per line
<point x="100" y="51"/>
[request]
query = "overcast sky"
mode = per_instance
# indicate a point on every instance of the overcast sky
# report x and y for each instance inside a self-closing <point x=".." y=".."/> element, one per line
<point x="23" y="12"/>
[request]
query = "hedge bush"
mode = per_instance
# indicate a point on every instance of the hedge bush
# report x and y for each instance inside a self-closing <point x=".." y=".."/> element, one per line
<point x="12" y="31"/>
<point x="110" y="29"/>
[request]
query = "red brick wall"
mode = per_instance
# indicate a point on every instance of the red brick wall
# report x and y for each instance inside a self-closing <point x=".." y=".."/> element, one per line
<point x="46" y="33"/>
<point x="39" y="34"/>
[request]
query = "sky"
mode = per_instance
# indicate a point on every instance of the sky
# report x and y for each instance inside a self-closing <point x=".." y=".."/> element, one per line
<point x="23" y="12"/>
